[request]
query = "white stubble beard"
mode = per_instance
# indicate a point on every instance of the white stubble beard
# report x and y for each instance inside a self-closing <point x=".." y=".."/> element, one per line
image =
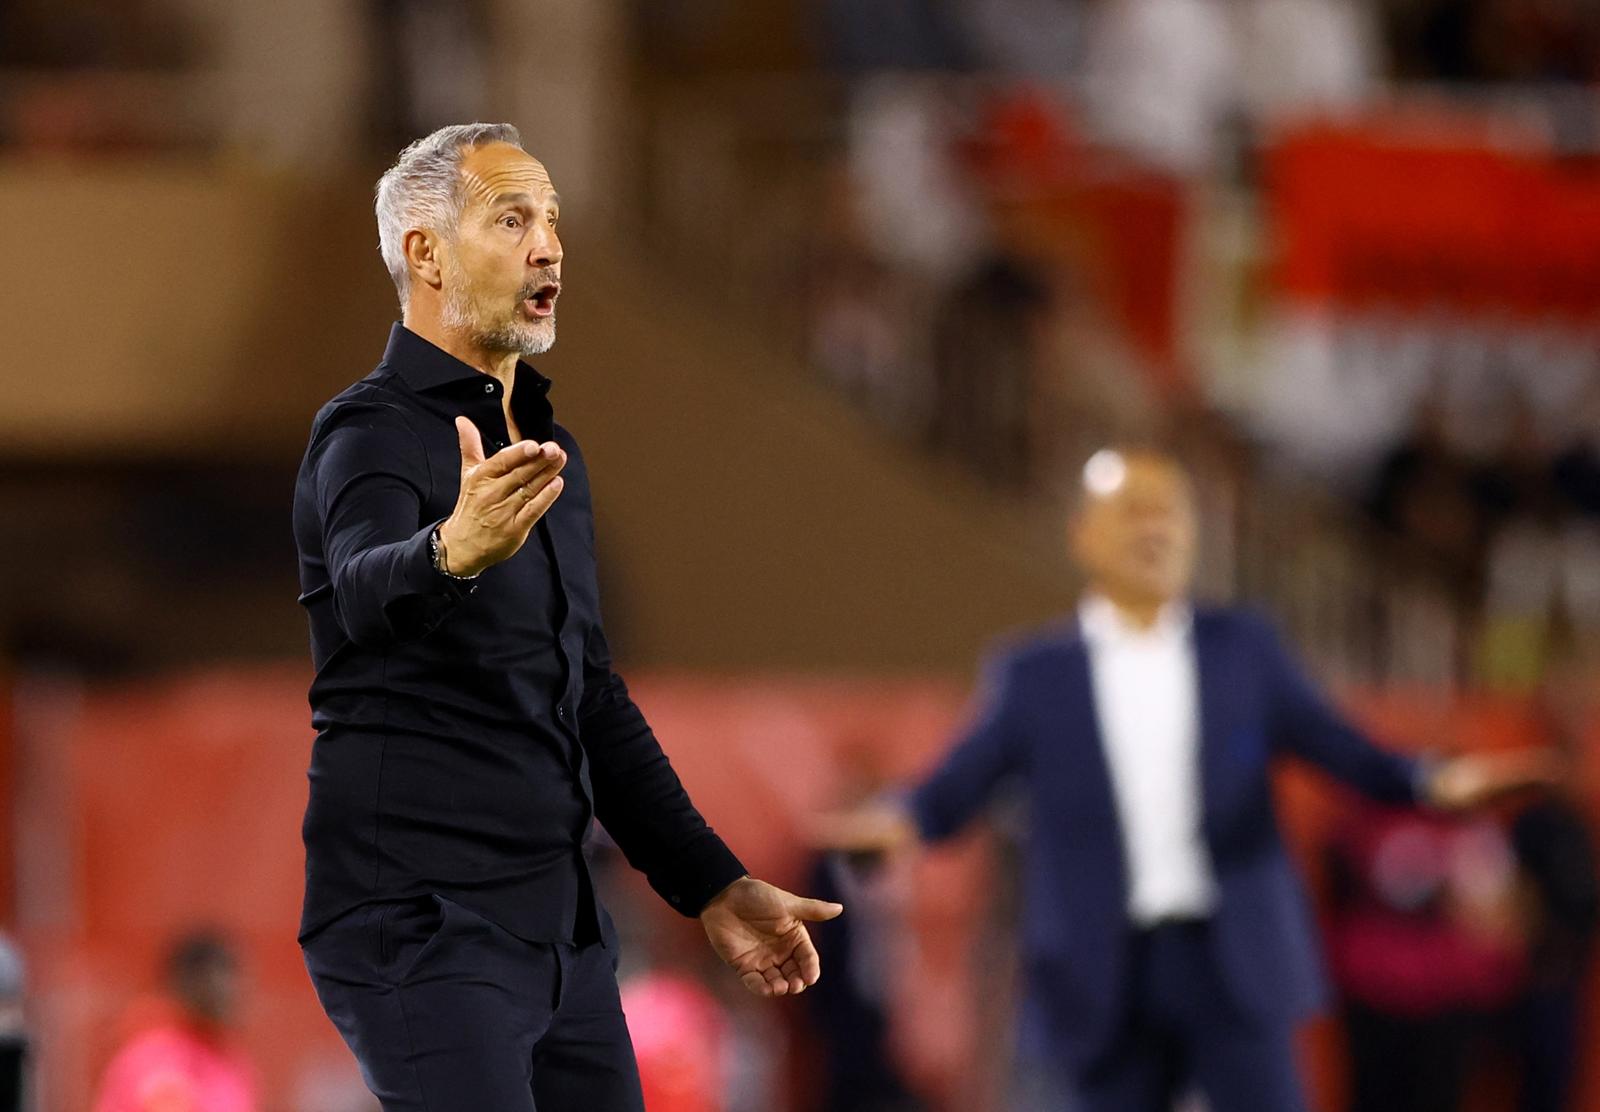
<point x="524" y="337"/>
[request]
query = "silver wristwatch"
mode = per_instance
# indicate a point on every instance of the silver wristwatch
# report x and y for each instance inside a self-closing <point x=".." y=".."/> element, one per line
<point x="436" y="554"/>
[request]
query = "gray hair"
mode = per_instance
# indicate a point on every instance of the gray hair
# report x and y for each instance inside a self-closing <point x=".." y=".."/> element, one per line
<point x="423" y="190"/>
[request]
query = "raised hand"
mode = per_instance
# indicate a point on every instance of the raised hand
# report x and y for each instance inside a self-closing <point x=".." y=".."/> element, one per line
<point x="881" y="827"/>
<point x="760" y="932"/>
<point x="501" y="498"/>
<point x="1472" y="780"/>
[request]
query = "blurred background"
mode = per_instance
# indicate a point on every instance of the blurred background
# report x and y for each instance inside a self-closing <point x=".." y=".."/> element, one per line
<point x="853" y="286"/>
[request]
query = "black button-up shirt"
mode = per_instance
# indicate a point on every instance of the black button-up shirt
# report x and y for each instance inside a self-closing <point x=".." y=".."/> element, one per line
<point x="468" y="731"/>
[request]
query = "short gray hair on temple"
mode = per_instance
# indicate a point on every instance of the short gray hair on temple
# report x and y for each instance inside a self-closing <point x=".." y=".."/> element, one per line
<point x="423" y="190"/>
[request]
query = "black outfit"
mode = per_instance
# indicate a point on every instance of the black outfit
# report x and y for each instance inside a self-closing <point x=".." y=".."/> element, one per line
<point x="1419" y="1063"/>
<point x="448" y="1011"/>
<point x="852" y="1020"/>
<point x="467" y="733"/>
<point x="1557" y="854"/>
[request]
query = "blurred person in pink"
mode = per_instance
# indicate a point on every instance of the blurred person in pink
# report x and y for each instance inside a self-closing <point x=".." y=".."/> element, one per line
<point x="180" y="1056"/>
<point x="1425" y="940"/>
<point x="680" y="1037"/>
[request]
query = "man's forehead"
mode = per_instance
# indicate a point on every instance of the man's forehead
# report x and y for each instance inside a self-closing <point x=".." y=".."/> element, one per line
<point x="497" y="168"/>
<point x="1110" y="474"/>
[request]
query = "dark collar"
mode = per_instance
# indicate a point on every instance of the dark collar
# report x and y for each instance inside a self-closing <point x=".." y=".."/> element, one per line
<point x="426" y="367"/>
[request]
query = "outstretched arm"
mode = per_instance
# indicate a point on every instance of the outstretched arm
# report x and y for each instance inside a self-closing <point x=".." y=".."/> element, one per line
<point x="952" y="795"/>
<point x="1304" y="723"/>
<point x="638" y="797"/>
<point x="986" y="754"/>
<point x="758" y="929"/>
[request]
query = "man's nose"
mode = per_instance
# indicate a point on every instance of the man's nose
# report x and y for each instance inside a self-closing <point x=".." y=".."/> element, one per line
<point x="546" y="250"/>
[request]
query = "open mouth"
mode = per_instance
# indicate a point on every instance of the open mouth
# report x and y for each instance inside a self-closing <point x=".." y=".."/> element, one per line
<point x="542" y="303"/>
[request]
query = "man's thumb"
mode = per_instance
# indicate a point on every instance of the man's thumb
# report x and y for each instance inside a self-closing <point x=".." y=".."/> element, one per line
<point x="471" y="442"/>
<point x="815" y="911"/>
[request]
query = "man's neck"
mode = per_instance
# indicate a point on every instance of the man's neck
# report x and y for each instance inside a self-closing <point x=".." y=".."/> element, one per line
<point x="500" y="365"/>
<point x="1139" y="611"/>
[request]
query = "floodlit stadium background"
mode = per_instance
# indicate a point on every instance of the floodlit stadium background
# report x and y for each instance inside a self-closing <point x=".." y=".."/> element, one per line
<point x="850" y="287"/>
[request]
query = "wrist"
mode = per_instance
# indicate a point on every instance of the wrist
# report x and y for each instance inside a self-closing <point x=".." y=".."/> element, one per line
<point x="446" y="559"/>
<point x="743" y="881"/>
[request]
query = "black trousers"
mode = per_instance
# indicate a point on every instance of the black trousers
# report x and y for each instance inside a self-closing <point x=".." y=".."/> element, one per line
<point x="1181" y="1032"/>
<point x="1548" y="1042"/>
<point x="447" y="1012"/>
<point x="1415" y="1063"/>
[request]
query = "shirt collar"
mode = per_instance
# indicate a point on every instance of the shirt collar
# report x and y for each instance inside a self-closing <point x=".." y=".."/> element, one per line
<point x="1102" y="622"/>
<point x="427" y="367"/>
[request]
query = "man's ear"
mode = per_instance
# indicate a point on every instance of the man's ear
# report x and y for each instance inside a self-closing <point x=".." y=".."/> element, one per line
<point x="421" y="249"/>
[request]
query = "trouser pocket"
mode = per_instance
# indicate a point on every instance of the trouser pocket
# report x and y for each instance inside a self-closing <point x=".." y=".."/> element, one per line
<point x="407" y="932"/>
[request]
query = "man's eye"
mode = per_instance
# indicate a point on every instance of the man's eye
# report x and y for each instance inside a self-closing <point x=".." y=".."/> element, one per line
<point x="511" y="221"/>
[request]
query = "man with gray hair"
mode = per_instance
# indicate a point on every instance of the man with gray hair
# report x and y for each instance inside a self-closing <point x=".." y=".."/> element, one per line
<point x="469" y="723"/>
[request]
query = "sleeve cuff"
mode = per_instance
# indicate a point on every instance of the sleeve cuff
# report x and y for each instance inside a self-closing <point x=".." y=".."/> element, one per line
<point x="422" y="578"/>
<point x="698" y="874"/>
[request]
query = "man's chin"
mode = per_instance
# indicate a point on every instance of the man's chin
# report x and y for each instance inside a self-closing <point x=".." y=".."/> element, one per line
<point x="541" y="342"/>
<point x="525" y="339"/>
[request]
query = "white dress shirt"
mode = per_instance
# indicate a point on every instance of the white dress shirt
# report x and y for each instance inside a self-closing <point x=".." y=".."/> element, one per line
<point x="1146" y="695"/>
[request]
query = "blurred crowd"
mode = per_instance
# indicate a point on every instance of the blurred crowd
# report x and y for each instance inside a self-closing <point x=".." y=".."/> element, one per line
<point x="1509" y="514"/>
<point x="1047" y="226"/>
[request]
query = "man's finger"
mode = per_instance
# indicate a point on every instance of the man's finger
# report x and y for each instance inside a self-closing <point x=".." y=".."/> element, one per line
<point x="471" y="443"/>
<point x="807" y="959"/>
<point x="538" y="504"/>
<point x="870" y="829"/>
<point x="756" y="983"/>
<point x="777" y="983"/>
<point x="796" y="972"/>
<point x="814" y="911"/>
<point x="512" y="455"/>
<point x="548" y="461"/>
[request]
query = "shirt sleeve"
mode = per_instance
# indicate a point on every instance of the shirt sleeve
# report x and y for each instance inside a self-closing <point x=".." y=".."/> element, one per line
<point x="371" y="478"/>
<point x="638" y="797"/>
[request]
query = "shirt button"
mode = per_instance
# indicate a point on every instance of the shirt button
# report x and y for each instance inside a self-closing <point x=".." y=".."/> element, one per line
<point x="561" y="713"/>
<point x="488" y="387"/>
<point x="499" y="443"/>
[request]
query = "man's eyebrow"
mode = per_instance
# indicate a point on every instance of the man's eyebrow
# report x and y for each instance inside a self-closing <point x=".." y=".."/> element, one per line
<point x="520" y="196"/>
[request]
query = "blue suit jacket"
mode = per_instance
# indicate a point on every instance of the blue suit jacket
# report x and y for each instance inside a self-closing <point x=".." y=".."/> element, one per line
<point x="1036" y="723"/>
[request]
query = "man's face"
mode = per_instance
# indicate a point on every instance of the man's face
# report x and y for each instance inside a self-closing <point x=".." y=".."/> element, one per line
<point x="502" y="268"/>
<point x="1135" y="535"/>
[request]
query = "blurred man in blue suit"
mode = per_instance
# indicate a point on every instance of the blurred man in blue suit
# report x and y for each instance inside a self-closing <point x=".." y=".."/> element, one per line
<point x="1166" y="940"/>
